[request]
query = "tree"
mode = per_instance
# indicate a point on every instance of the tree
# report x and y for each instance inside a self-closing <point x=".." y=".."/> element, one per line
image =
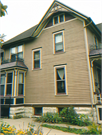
<point x="3" y="9"/>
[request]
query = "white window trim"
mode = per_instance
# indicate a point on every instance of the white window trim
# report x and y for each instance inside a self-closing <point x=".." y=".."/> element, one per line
<point x="66" y="87"/>
<point x="16" y="47"/>
<point x="59" y="18"/>
<point x="53" y="36"/>
<point x="97" y="109"/>
<point x="35" y="50"/>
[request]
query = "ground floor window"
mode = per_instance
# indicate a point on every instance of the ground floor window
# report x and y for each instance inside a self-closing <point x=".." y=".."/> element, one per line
<point x="60" y="109"/>
<point x="19" y="100"/>
<point x="100" y="113"/>
<point x="38" y="111"/>
<point x="9" y="101"/>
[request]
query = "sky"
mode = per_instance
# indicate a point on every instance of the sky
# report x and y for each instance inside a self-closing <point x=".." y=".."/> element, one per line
<point x="24" y="14"/>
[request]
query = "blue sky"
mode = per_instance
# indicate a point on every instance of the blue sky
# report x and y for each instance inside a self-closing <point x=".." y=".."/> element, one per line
<point x="23" y="14"/>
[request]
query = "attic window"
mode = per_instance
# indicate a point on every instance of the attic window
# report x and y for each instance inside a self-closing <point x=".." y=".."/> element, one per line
<point x="58" y="19"/>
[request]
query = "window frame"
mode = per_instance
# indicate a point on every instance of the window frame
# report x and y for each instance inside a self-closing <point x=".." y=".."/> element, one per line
<point x="58" y="16"/>
<point x="21" y="83"/>
<point x="33" y="51"/>
<point x="55" y="79"/>
<point x="63" y="41"/>
<point x="2" y="84"/>
<point x="16" y="51"/>
<point x="98" y="117"/>
<point x="9" y="83"/>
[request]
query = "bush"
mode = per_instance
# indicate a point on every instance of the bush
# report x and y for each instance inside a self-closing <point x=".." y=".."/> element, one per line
<point x="18" y="116"/>
<point x="69" y="115"/>
<point x="50" y="118"/>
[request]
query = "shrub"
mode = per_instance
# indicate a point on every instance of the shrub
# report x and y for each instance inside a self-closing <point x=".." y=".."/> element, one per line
<point x="50" y="118"/>
<point x="69" y="115"/>
<point x="18" y="116"/>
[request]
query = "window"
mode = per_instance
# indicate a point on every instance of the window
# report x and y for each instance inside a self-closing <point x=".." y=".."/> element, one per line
<point x="16" y="51"/>
<point x="13" y="54"/>
<point x="2" y="84"/>
<point x="21" y="84"/>
<point x="58" y="42"/>
<point x="19" y="101"/>
<point x="9" y="84"/>
<point x="36" y="59"/>
<point x="20" y="52"/>
<point x="38" y="110"/>
<point x="9" y="101"/>
<point x="60" y="80"/>
<point x="59" y="19"/>
<point x="99" y="113"/>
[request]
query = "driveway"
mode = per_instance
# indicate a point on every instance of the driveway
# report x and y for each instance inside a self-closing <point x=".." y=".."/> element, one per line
<point x="23" y="124"/>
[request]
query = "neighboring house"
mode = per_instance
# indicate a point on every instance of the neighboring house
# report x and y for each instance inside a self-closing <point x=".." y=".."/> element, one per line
<point x="55" y="64"/>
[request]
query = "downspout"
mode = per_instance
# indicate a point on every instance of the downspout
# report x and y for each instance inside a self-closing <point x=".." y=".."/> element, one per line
<point x="88" y="62"/>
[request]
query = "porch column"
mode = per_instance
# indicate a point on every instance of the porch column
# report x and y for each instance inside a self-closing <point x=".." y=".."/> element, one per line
<point x="15" y="85"/>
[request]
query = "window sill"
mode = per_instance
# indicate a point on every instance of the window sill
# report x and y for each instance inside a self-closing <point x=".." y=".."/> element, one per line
<point x="59" y="53"/>
<point x="37" y="69"/>
<point x="61" y="94"/>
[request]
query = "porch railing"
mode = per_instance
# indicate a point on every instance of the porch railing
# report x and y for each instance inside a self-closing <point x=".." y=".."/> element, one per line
<point x="96" y="47"/>
<point x="16" y="59"/>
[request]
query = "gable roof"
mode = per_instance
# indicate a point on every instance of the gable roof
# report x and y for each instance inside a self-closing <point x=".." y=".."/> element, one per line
<point x="56" y="6"/>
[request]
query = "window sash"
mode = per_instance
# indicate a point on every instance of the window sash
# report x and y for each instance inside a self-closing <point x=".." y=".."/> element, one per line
<point x="37" y="59"/>
<point x="20" y="49"/>
<point x="9" y="83"/>
<point x="2" y="90"/>
<point x="13" y="50"/>
<point x="2" y="79"/>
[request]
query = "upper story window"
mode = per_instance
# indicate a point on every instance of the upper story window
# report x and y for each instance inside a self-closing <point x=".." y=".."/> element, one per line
<point x="59" y="19"/>
<point x="96" y="42"/>
<point x="2" y="84"/>
<point x="58" y="39"/>
<point x="36" y="63"/>
<point x="17" y="51"/>
<point x="60" y="80"/>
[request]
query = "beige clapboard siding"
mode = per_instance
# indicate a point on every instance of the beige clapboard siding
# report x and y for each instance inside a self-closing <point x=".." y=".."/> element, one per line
<point x="40" y="83"/>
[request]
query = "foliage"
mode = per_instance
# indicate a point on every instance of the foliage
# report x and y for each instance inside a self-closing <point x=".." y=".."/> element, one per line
<point x="3" y="9"/>
<point x="50" y="118"/>
<point x="69" y="115"/>
<point x="2" y="39"/>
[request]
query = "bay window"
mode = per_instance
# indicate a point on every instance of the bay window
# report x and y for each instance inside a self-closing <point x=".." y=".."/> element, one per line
<point x="2" y="84"/>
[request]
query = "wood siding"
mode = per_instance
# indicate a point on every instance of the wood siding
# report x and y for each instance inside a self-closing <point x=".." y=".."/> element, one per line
<point x="40" y="83"/>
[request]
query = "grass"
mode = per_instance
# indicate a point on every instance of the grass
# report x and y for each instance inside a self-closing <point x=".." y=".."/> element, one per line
<point x="66" y="129"/>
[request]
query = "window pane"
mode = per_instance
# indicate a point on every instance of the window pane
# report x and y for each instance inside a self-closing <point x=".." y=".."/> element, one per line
<point x="20" y="48"/>
<point x="21" y="76"/>
<point x="20" y="55"/>
<point x="9" y="101"/>
<point x="37" y="55"/>
<point x="2" y="90"/>
<point x="20" y="89"/>
<point x="56" y="20"/>
<point x="61" y="18"/>
<point x="9" y="89"/>
<point x="58" y="38"/>
<point x="38" y="110"/>
<point x="60" y="86"/>
<point x="59" y="47"/>
<point x="13" y="57"/>
<point x="19" y="100"/>
<point x="60" y="74"/>
<point x="36" y="63"/>
<point x="2" y="79"/>
<point x="13" y="50"/>
<point x="100" y="113"/>
<point x="2" y="101"/>
<point x="9" y="78"/>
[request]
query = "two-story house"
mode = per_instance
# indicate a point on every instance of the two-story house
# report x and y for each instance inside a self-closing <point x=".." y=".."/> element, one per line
<point x="55" y="64"/>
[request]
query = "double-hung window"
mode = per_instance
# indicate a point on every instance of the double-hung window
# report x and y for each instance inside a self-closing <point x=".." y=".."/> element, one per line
<point x="20" y="52"/>
<point x="2" y="84"/>
<point x="60" y="80"/>
<point x="58" y="39"/>
<point x="21" y="84"/>
<point x="36" y="58"/>
<point x="13" y="54"/>
<point x="9" y="83"/>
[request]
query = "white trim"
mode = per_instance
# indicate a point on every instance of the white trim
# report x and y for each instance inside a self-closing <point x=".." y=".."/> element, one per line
<point x="35" y="50"/>
<point x="66" y="89"/>
<point x="63" y="38"/>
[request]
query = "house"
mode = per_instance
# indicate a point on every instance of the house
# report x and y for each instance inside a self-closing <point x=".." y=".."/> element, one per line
<point x="55" y="64"/>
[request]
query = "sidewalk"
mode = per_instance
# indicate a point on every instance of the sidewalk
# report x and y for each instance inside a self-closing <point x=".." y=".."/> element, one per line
<point x="23" y="124"/>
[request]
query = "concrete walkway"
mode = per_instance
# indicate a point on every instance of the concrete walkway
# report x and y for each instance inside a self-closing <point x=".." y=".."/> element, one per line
<point x="23" y="124"/>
